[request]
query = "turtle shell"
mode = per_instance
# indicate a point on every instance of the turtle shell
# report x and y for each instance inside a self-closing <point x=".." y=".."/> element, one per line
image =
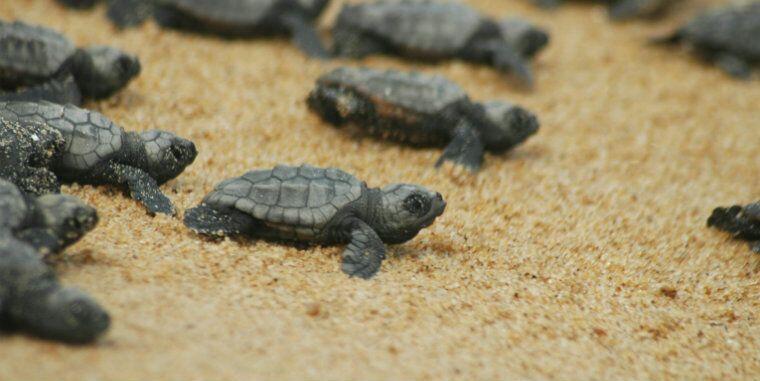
<point x="90" y="137"/>
<point x="734" y="29"/>
<point x="294" y="200"/>
<point x="30" y="54"/>
<point x="13" y="207"/>
<point x="417" y="92"/>
<point x="425" y="27"/>
<point x="225" y="12"/>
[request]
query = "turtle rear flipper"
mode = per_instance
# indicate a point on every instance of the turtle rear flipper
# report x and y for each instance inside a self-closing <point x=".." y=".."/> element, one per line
<point x="206" y="220"/>
<point x="305" y="37"/>
<point x="465" y="149"/>
<point x="61" y="91"/>
<point x="129" y="13"/>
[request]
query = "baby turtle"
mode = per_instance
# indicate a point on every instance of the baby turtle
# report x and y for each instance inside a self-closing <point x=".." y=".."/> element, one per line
<point x="32" y="299"/>
<point x="123" y="13"/>
<point x="421" y="110"/>
<point x="39" y="62"/>
<point x="244" y="18"/>
<point x="742" y="222"/>
<point x="97" y="151"/>
<point x="326" y="206"/>
<point x="27" y="152"/>
<point x="624" y="9"/>
<point x="48" y="223"/>
<point x="728" y="37"/>
<point x="427" y="30"/>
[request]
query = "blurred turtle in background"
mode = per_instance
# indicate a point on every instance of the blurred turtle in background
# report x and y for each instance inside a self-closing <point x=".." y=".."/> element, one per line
<point x="37" y="63"/>
<point x="743" y="222"/>
<point x="623" y="9"/>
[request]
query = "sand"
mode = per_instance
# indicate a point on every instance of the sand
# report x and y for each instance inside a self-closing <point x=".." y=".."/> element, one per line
<point x="582" y="255"/>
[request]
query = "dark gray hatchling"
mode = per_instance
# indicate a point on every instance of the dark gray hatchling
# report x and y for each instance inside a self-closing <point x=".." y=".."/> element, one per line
<point x="122" y="13"/>
<point x="244" y="18"/>
<point x="26" y="154"/>
<point x="624" y="9"/>
<point x="428" y="30"/>
<point x="48" y="223"/>
<point x="97" y="151"/>
<point x="32" y="299"/>
<point x="743" y="222"/>
<point x="37" y="63"/>
<point x="728" y="37"/>
<point x="421" y="110"/>
<point x="326" y="206"/>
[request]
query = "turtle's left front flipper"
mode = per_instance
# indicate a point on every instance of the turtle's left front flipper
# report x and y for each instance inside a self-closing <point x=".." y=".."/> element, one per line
<point x="305" y="37"/>
<point x="142" y="187"/>
<point x="129" y="13"/>
<point x="364" y="253"/>
<point x="61" y="90"/>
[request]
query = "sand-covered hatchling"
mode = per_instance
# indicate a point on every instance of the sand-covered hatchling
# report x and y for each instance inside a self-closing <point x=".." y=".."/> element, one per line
<point x="48" y="223"/>
<point x="27" y="152"/>
<point x="428" y="30"/>
<point x="728" y="36"/>
<point x="324" y="206"/>
<point x="743" y="222"/>
<point x="97" y="151"/>
<point x="421" y="110"/>
<point x="244" y="18"/>
<point x="37" y="63"/>
<point x="624" y="9"/>
<point x="32" y="299"/>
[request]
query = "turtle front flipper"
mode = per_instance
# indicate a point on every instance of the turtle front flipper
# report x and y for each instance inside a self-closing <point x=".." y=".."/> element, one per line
<point x="129" y="13"/>
<point x="206" y="220"/>
<point x="61" y="91"/>
<point x="305" y="37"/>
<point x="465" y="149"/>
<point x="142" y="187"/>
<point x="506" y="58"/>
<point x="733" y="65"/>
<point x="364" y="253"/>
<point x="547" y="3"/>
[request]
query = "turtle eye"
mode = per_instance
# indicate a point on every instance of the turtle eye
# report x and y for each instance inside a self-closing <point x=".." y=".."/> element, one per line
<point x="417" y="204"/>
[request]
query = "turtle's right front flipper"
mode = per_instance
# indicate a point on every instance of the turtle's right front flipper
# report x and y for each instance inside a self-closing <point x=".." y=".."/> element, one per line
<point x="305" y="36"/>
<point x="129" y="13"/>
<point x="142" y="187"/>
<point x="364" y="253"/>
<point x="465" y="149"/>
<point x="62" y="91"/>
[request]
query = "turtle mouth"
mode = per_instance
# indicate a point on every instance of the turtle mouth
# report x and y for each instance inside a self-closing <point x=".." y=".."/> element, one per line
<point x="438" y="207"/>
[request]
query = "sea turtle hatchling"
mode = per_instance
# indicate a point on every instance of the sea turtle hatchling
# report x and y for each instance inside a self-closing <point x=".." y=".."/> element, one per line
<point x="428" y="30"/>
<point x="97" y="151"/>
<point x="26" y="154"/>
<point x="37" y="63"/>
<point x="325" y="206"/>
<point x="243" y="18"/>
<point x="624" y="9"/>
<point x="421" y="110"/>
<point x="742" y="222"/>
<point x="122" y="13"/>
<point x="32" y="299"/>
<point x="728" y="36"/>
<point x="48" y="223"/>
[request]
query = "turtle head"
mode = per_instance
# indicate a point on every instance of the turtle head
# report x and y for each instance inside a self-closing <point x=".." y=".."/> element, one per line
<point x="67" y="217"/>
<point x="166" y="154"/>
<point x="527" y="38"/>
<point x="313" y="8"/>
<point x="508" y="125"/>
<point x="72" y="316"/>
<point x="101" y="71"/>
<point x="404" y="210"/>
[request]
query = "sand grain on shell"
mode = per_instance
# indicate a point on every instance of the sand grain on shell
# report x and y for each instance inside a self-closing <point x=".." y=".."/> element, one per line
<point x="550" y="264"/>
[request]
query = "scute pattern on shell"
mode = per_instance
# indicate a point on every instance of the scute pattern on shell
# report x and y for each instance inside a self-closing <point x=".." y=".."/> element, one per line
<point x="418" y="25"/>
<point x="32" y="50"/>
<point x="292" y="199"/>
<point x="91" y="138"/>
<point x="424" y="93"/>
<point x="229" y="11"/>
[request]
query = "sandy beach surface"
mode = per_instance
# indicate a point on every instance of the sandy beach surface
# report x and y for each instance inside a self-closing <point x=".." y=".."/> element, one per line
<point x="581" y="255"/>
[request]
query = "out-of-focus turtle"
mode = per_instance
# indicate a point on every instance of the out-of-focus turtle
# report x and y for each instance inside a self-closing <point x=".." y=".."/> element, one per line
<point x="743" y="222"/>
<point x="427" y="30"/>
<point x="728" y="36"/>
<point x="243" y="18"/>
<point x="27" y="152"/>
<point x="421" y="110"/>
<point x="32" y="298"/>
<point x="41" y="64"/>
<point x="97" y="151"/>
<point x="326" y="206"/>
<point x="48" y="223"/>
<point x="624" y="9"/>
<point x="123" y="13"/>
